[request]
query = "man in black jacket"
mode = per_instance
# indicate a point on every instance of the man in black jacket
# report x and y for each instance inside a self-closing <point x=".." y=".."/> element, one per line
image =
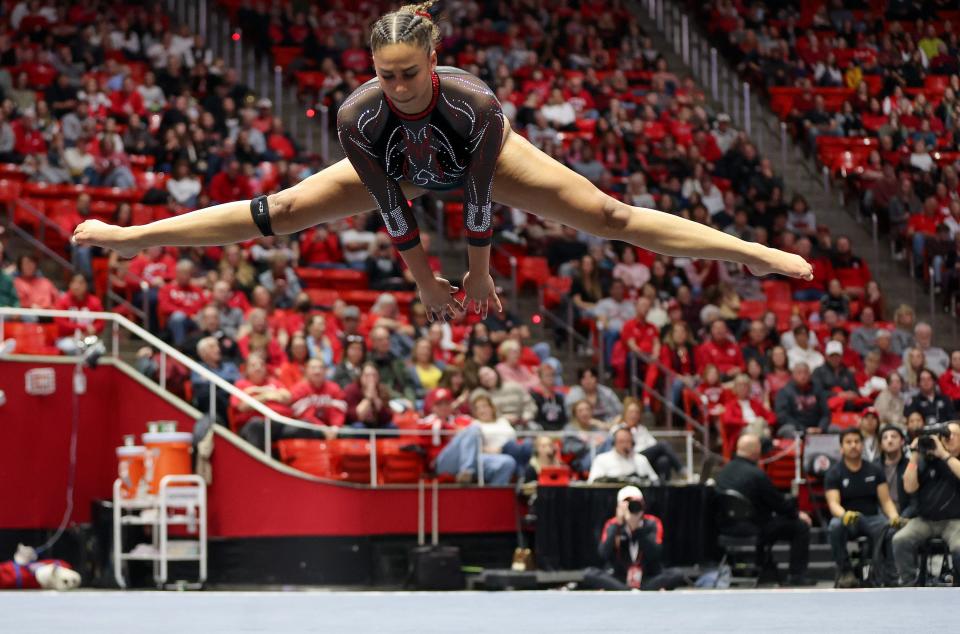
<point x="800" y="406"/>
<point x="932" y="405"/>
<point x="777" y="515"/>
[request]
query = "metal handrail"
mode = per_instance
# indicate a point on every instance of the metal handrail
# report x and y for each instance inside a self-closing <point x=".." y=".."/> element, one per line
<point x="670" y="406"/>
<point x="218" y="383"/>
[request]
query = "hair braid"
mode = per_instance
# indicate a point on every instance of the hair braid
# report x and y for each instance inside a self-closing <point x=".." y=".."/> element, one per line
<point x="414" y="24"/>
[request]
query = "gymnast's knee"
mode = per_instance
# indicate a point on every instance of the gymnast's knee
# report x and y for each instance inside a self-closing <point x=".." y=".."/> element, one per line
<point x="280" y="205"/>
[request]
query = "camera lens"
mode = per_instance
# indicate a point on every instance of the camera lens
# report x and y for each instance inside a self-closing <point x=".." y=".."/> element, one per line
<point x="635" y="506"/>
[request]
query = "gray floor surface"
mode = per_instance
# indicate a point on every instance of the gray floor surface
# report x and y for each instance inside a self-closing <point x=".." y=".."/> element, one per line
<point x="780" y="611"/>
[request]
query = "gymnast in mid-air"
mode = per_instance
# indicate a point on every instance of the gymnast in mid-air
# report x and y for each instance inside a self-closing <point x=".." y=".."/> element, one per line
<point x="417" y="127"/>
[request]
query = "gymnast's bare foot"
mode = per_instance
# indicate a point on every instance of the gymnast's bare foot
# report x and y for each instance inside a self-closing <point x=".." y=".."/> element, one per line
<point x="95" y="233"/>
<point x="774" y="261"/>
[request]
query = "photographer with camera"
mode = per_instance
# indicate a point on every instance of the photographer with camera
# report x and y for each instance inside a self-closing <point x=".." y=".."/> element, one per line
<point x="933" y="474"/>
<point x="631" y="547"/>
<point x="856" y="490"/>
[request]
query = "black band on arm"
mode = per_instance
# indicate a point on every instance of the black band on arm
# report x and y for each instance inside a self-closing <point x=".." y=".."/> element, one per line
<point x="261" y="215"/>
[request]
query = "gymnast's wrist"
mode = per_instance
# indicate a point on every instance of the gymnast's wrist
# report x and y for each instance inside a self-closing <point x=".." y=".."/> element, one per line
<point x="135" y="236"/>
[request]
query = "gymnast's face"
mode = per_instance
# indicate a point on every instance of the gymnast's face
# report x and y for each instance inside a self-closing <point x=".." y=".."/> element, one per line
<point x="405" y="74"/>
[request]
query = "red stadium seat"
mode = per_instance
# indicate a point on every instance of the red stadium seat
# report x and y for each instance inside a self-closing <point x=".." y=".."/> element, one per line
<point x="32" y="338"/>
<point x="532" y="270"/>
<point x="334" y="279"/>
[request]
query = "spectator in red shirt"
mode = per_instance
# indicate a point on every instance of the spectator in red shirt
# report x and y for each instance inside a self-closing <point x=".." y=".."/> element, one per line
<point x="923" y="227"/>
<point x="950" y="380"/>
<point x="741" y="412"/>
<point x="153" y="267"/>
<point x="260" y="337"/>
<point x="33" y="289"/>
<point x="850" y="269"/>
<point x="279" y="142"/>
<point x="230" y="184"/>
<point x="179" y="300"/>
<point x="126" y="101"/>
<point x="318" y="400"/>
<point x="813" y="289"/>
<point x="258" y="383"/>
<point x="320" y="248"/>
<point x="890" y="361"/>
<point x="722" y="351"/>
<point x="29" y="139"/>
<point x="77" y="298"/>
<point x="579" y="97"/>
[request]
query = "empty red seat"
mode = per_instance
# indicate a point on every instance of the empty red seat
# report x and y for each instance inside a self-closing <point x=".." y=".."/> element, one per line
<point x="335" y="279"/>
<point x="782" y="469"/>
<point x="284" y="55"/>
<point x="32" y="338"/>
<point x="533" y="270"/>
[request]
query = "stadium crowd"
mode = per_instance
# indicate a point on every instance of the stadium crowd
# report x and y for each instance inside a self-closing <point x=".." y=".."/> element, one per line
<point x="323" y="326"/>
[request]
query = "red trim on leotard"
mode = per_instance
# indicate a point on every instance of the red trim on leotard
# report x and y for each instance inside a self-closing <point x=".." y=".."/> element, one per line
<point x="420" y="115"/>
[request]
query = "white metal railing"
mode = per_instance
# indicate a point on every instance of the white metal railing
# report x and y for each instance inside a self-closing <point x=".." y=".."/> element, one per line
<point x="270" y="416"/>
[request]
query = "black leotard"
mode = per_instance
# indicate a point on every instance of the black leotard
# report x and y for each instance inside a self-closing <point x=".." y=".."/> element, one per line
<point x="454" y="142"/>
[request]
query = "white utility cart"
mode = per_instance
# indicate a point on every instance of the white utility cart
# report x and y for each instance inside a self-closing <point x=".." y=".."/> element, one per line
<point x="186" y="497"/>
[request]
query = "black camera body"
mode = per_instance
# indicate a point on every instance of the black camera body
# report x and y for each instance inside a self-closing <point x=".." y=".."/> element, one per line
<point x="635" y="506"/>
<point x="925" y="439"/>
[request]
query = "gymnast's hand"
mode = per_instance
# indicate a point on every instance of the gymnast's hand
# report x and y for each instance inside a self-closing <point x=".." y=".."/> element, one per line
<point x="96" y="233"/>
<point x="437" y="296"/>
<point x="481" y="291"/>
<point x="775" y="261"/>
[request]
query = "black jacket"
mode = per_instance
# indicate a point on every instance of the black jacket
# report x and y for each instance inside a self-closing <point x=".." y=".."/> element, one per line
<point x="615" y="547"/>
<point x="802" y="408"/>
<point x="938" y="409"/>
<point x="747" y="478"/>
<point x="826" y="379"/>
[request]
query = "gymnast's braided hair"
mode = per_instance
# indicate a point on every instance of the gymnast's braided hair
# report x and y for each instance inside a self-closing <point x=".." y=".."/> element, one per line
<point x="414" y="24"/>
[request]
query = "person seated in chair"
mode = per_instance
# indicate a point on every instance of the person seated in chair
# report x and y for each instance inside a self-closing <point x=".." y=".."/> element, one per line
<point x="856" y="491"/>
<point x="893" y="460"/>
<point x="776" y="515"/>
<point x="622" y="462"/>
<point x="933" y="475"/>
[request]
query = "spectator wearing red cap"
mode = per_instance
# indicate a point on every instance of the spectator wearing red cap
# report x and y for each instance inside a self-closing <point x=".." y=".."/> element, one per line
<point x="258" y="384"/>
<point x="77" y="298"/>
<point x="179" y="300"/>
<point x="318" y="400"/>
<point x="721" y="351"/>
